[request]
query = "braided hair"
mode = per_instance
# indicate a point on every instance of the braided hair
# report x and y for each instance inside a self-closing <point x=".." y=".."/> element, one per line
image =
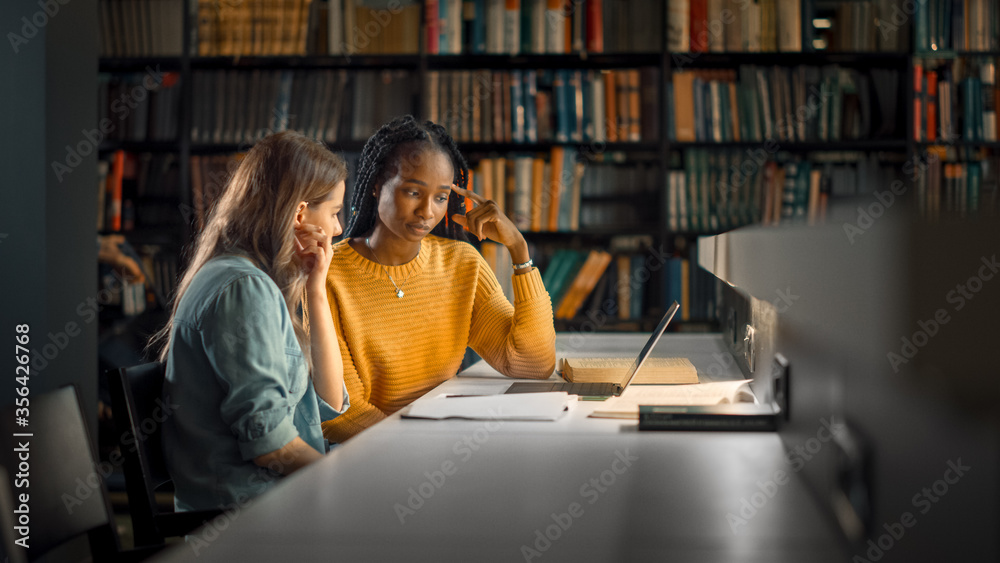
<point x="393" y="146"/>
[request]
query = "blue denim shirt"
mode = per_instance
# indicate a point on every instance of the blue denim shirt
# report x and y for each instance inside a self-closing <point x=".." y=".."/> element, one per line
<point x="240" y="385"/>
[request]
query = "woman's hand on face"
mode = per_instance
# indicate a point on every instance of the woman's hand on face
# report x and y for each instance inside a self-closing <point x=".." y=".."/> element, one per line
<point x="312" y="249"/>
<point x="486" y="220"/>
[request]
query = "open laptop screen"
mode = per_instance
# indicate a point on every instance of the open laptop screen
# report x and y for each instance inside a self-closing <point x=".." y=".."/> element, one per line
<point x="660" y="328"/>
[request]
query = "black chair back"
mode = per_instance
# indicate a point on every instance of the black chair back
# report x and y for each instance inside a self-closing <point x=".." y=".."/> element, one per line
<point x="139" y="413"/>
<point x="11" y="551"/>
<point x="135" y="400"/>
<point x="67" y="495"/>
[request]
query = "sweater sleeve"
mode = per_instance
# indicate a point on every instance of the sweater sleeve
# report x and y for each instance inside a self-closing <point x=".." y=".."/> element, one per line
<point x="362" y="413"/>
<point x="519" y="340"/>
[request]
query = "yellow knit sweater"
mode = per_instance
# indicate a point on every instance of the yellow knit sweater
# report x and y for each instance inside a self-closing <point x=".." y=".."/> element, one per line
<point x="397" y="349"/>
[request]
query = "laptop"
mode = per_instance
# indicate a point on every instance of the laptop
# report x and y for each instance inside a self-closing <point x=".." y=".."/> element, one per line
<point x="600" y="389"/>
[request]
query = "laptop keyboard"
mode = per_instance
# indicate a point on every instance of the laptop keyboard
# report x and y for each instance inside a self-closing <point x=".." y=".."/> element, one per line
<point x="586" y="389"/>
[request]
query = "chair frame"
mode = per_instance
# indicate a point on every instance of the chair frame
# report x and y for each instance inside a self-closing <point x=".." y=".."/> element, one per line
<point x="99" y="528"/>
<point x="144" y="466"/>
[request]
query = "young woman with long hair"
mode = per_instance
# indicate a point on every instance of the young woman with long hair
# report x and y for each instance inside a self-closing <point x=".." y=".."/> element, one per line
<point x="408" y="294"/>
<point x="253" y="365"/>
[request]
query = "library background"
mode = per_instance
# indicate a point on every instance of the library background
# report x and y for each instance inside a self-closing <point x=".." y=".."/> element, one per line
<point x="613" y="132"/>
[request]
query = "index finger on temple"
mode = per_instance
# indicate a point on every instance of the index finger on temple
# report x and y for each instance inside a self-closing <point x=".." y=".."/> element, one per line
<point x="469" y="194"/>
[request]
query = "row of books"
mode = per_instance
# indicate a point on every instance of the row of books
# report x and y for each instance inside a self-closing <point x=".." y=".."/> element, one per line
<point x="545" y="193"/>
<point x="700" y="26"/>
<point x="956" y="25"/>
<point x="695" y="289"/>
<point x="802" y="103"/>
<point x="603" y="286"/>
<point x="130" y="297"/>
<point x="236" y="106"/>
<point x="546" y="106"/>
<point x="141" y="28"/>
<point x="867" y="26"/>
<point x="137" y="190"/>
<point x="139" y="106"/>
<point x="211" y="173"/>
<point x="542" y="26"/>
<point x="956" y="185"/>
<point x="159" y="263"/>
<point x="209" y="176"/>
<point x="955" y="99"/>
<point x="252" y="27"/>
<point x="722" y="190"/>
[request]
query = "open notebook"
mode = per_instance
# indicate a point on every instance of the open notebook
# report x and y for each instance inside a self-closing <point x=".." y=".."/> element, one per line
<point x="537" y="406"/>
<point x="714" y="393"/>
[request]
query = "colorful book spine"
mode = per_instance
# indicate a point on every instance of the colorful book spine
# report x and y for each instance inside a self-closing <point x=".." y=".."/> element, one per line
<point x="512" y="26"/>
<point x="517" y="106"/>
<point x="930" y="130"/>
<point x="530" y="107"/>
<point x="432" y="17"/>
<point x="595" y="26"/>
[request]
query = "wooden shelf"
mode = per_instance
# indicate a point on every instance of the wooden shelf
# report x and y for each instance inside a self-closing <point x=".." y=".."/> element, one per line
<point x="164" y="236"/>
<point x="290" y="62"/>
<point x="543" y="61"/>
<point x="961" y="144"/>
<point x="801" y="146"/>
<point x="588" y="148"/>
<point x="140" y="146"/>
<point x="729" y="60"/>
<point x="226" y="148"/>
<point x="954" y="54"/>
<point x="138" y="64"/>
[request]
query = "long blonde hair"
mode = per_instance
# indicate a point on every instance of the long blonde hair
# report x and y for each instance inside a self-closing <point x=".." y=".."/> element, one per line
<point x="254" y="217"/>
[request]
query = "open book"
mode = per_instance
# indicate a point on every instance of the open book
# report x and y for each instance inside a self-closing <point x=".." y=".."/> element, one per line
<point x="528" y="406"/>
<point x="713" y="393"/>
<point x="655" y="371"/>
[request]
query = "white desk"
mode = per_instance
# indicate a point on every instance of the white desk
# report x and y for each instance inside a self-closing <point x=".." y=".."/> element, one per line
<point x="508" y="479"/>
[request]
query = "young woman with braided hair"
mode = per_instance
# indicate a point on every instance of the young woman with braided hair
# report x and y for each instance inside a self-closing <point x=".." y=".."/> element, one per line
<point x="408" y="293"/>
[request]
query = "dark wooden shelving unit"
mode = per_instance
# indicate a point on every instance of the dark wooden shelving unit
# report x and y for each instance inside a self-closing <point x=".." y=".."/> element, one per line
<point x="660" y="150"/>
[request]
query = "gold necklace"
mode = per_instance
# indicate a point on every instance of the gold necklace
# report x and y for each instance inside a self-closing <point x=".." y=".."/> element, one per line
<point x="399" y="291"/>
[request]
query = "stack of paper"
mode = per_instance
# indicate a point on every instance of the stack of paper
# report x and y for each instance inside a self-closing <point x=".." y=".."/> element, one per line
<point x="521" y="406"/>
<point x="714" y="393"/>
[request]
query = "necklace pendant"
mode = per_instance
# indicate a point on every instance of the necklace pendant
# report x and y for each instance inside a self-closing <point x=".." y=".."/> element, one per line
<point x="399" y="293"/>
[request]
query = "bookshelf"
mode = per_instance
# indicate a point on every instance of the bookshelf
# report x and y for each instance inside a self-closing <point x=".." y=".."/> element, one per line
<point x="831" y="49"/>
